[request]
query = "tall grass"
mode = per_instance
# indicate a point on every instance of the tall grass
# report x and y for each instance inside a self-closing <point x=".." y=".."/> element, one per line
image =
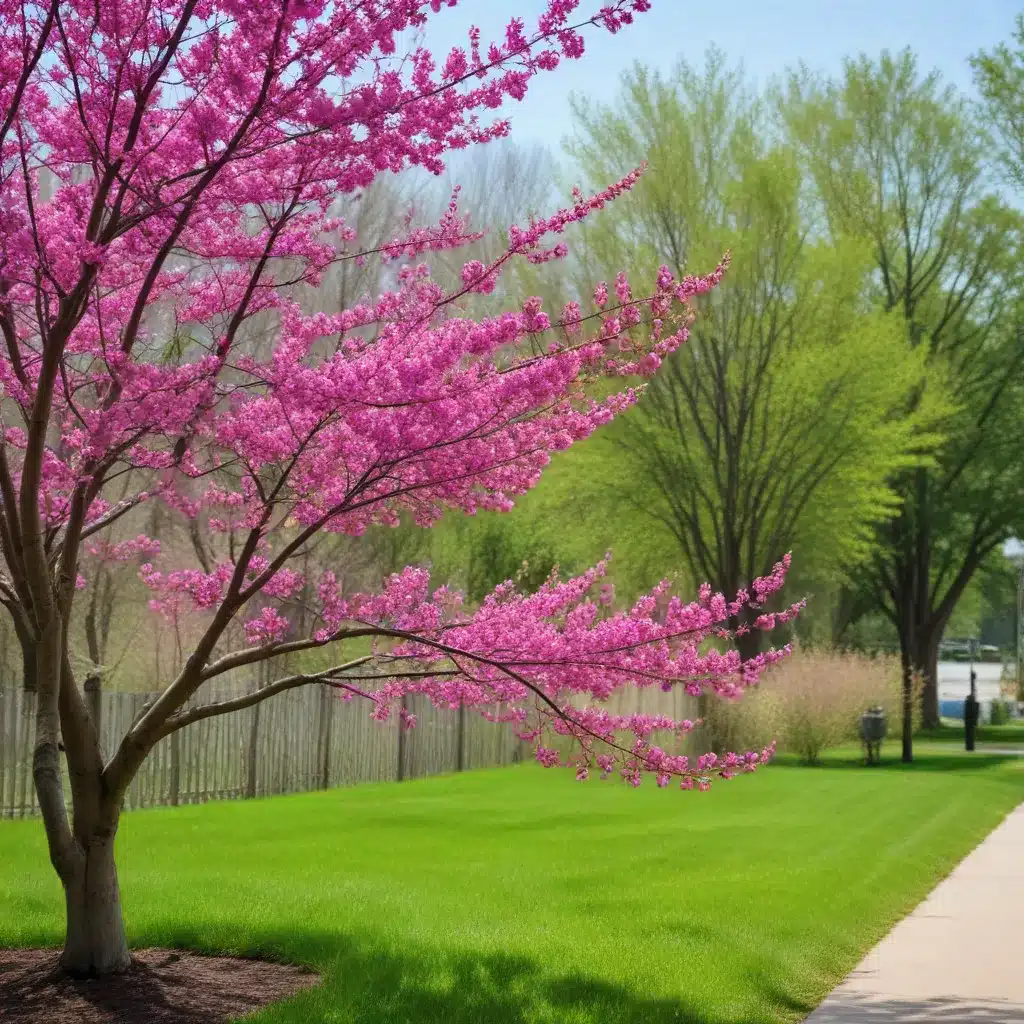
<point x="810" y="702"/>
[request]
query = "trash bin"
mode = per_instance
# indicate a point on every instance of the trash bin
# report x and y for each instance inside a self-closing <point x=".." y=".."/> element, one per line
<point x="873" y="728"/>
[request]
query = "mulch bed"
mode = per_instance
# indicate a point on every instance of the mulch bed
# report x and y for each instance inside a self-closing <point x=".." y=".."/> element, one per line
<point x="165" y="986"/>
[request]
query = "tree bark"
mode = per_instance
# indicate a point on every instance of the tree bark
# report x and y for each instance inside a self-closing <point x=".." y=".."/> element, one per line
<point x="926" y="661"/>
<point x="93" y="687"/>
<point x="28" y="656"/>
<point x="81" y="851"/>
<point x="907" y="716"/>
<point x="95" y="943"/>
<point x="748" y="644"/>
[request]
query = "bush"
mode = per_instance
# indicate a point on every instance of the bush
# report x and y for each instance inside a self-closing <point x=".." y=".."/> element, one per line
<point x="1000" y="713"/>
<point x="1009" y="685"/>
<point x="811" y="702"/>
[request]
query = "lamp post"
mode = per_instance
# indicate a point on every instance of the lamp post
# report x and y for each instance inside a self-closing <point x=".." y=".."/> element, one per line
<point x="1020" y="632"/>
<point x="971" y="704"/>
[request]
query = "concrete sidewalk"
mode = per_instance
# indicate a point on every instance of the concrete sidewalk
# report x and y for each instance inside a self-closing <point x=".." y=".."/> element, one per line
<point x="956" y="959"/>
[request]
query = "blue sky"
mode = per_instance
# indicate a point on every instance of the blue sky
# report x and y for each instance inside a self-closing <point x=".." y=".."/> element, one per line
<point x="766" y="35"/>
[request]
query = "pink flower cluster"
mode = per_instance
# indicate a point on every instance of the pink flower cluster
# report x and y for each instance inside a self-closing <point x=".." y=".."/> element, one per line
<point x="537" y="654"/>
<point x="125" y="551"/>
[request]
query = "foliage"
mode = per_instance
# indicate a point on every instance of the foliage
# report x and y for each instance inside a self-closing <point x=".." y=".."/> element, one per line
<point x="999" y="582"/>
<point x="780" y="422"/>
<point x="359" y="884"/>
<point x="811" y="703"/>
<point x="965" y="657"/>
<point x="999" y="77"/>
<point x="897" y="159"/>
<point x="965" y="619"/>
<point x="568" y="521"/>
<point x="1011" y="735"/>
<point x="1000" y="713"/>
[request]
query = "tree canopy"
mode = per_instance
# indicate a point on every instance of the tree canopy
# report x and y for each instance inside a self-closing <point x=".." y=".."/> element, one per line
<point x="780" y="423"/>
<point x="896" y="159"/>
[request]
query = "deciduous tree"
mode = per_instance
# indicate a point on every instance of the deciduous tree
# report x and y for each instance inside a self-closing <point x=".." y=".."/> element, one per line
<point x="999" y="76"/>
<point x="778" y="424"/>
<point x="199" y="146"/>
<point x="897" y="160"/>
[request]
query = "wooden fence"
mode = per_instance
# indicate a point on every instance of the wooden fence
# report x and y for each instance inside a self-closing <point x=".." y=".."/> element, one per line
<point x="300" y="740"/>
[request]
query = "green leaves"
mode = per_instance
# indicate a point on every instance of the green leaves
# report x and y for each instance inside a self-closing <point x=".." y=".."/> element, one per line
<point x="174" y="350"/>
<point x="999" y="77"/>
<point x="783" y="420"/>
<point x="899" y="161"/>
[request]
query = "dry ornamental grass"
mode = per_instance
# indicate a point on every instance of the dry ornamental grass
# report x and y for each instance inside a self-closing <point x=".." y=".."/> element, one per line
<point x="811" y="702"/>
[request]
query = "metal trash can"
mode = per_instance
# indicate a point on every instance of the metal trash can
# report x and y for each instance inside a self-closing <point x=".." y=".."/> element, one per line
<point x="873" y="727"/>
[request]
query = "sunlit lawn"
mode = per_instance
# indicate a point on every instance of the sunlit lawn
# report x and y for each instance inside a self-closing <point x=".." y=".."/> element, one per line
<point x="1009" y="735"/>
<point x="518" y="895"/>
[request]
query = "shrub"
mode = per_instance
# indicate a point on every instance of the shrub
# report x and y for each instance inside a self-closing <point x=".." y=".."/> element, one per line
<point x="1010" y="687"/>
<point x="809" y="703"/>
<point x="1000" y="713"/>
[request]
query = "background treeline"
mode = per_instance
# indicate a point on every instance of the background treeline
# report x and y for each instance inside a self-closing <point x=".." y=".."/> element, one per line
<point x="853" y="390"/>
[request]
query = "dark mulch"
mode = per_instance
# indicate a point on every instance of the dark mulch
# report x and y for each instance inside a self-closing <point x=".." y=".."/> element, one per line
<point x="164" y="986"/>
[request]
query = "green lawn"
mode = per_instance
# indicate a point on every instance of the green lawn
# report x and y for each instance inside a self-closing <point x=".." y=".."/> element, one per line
<point x="1009" y="735"/>
<point x="518" y="895"/>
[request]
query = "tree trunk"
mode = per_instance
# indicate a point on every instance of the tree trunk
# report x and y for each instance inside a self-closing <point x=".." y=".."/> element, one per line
<point x="907" y="716"/>
<point x="93" y="687"/>
<point x="926" y="661"/>
<point x="95" y="943"/>
<point x="81" y="851"/>
<point x="748" y="644"/>
<point x="28" y="657"/>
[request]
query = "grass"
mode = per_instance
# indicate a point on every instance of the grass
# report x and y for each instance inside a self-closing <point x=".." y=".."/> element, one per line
<point x="518" y="896"/>
<point x="1009" y="735"/>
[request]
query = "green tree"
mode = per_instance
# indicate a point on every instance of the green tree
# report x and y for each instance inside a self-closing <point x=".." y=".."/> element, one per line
<point x="567" y="522"/>
<point x="778" y="424"/>
<point x="897" y="160"/>
<point x="999" y="579"/>
<point x="999" y="77"/>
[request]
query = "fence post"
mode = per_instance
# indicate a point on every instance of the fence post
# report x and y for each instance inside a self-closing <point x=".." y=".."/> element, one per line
<point x="175" y="767"/>
<point x="3" y="737"/>
<point x="401" y="742"/>
<point x="460" y="762"/>
<point x="250" y="777"/>
<point x="28" y="716"/>
<point x="324" y="740"/>
<point x="703" y="737"/>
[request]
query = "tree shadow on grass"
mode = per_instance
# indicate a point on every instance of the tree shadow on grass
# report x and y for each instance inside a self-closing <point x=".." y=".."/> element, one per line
<point x="371" y="984"/>
<point x="928" y="762"/>
<point x="1011" y="735"/>
<point x="377" y="984"/>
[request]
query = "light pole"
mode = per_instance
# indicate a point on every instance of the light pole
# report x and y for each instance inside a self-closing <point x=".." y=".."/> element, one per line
<point x="1020" y="631"/>
<point x="971" y="704"/>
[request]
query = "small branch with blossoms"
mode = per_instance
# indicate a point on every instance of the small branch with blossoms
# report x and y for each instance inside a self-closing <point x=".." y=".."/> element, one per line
<point x="536" y="656"/>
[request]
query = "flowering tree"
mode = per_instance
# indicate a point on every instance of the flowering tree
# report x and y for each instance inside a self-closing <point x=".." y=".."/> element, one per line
<point x="197" y="146"/>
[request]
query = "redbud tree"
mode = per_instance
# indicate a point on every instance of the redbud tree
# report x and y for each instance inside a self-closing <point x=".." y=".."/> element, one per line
<point x="168" y="168"/>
